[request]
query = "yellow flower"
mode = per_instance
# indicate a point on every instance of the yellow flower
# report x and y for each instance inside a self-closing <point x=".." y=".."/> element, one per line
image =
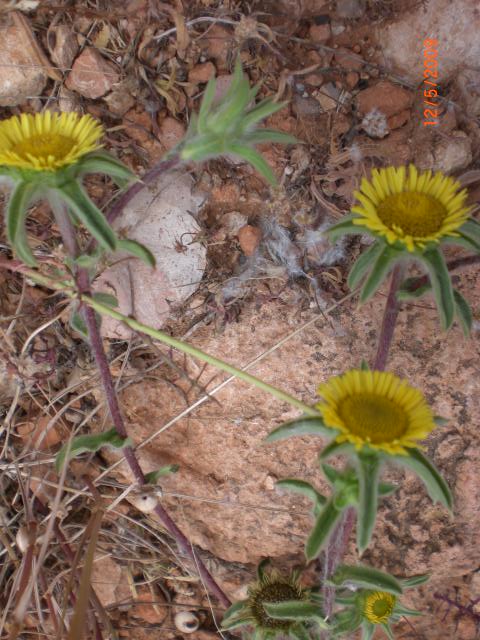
<point x="413" y="209"/>
<point x="377" y="409"/>
<point x="47" y="141"/>
<point x="378" y="606"/>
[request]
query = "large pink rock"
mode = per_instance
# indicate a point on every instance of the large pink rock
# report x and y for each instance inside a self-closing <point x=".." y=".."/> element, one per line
<point x="92" y="76"/>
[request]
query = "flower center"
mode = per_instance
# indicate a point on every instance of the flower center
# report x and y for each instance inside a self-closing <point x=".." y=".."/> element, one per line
<point x="45" y="145"/>
<point x="379" y="607"/>
<point x="373" y="418"/>
<point x="416" y="214"/>
<point x="274" y="592"/>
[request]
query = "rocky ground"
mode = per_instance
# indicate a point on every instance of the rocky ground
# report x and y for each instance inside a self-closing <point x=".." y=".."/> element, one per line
<point x="246" y="274"/>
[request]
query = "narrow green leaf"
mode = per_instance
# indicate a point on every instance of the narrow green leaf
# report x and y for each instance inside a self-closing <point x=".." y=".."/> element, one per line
<point x="303" y="488"/>
<point x="472" y="228"/>
<point x="335" y="448"/>
<point x="298" y="632"/>
<point x="387" y="631"/>
<point x="367" y="578"/>
<point x="406" y="292"/>
<point x="436" y="486"/>
<point x="324" y="524"/>
<point x="269" y="135"/>
<point x="232" y="613"/>
<point x="400" y="610"/>
<point x="331" y="473"/>
<point x="368" y="629"/>
<point x="78" y="324"/>
<point x="415" y="581"/>
<point x="202" y="148"/>
<point x="442" y="285"/>
<point x="207" y="101"/>
<point x="346" y="622"/>
<point x="86" y="261"/>
<point x="255" y="159"/>
<point x="364" y="366"/>
<point x="262" y="567"/>
<point x="379" y="272"/>
<point x="154" y="476"/>
<point x="103" y="162"/>
<point x="368" y="471"/>
<point x="235" y="623"/>
<point x="385" y="488"/>
<point x="364" y="263"/>
<point x="138" y="250"/>
<point x="105" y="298"/>
<point x="470" y="241"/>
<point x="92" y="443"/>
<point x="93" y="219"/>
<point x="345" y="226"/>
<point x="307" y="425"/>
<point x="260" y="111"/>
<point x="16" y="214"/>
<point x="463" y="312"/>
<point x="295" y="610"/>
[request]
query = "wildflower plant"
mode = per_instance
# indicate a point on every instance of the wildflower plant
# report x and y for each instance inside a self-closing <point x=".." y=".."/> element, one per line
<point x="370" y="417"/>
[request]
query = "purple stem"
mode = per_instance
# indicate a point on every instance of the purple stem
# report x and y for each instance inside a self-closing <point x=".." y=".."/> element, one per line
<point x="338" y="542"/>
<point x="83" y="283"/>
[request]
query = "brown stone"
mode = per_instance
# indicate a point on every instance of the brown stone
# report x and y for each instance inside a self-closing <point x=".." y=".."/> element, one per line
<point x="150" y="605"/>
<point x="385" y="96"/>
<point x="249" y="238"/>
<point x="320" y="33"/>
<point x="202" y="73"/>
<point x="399" y="119"/>
<point x="21" y="75"/>
<point x="171" y="132"/>
<point x="110" y="581"/>
<point x="348" y="60"/>
<point x="36" y="433"/>
<point x="92" y="76"/>
<point x="352" y="79"/>
<point x="314" y="79"/>
<point x="63" y="46"/>
<point x="218" y="42"/>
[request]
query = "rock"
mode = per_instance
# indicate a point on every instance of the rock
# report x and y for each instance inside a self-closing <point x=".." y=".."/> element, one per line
<point x="226" y="195"/>
<point x="348" y="60"/>
<point x="314" y="79"/>
<point x="119" y="100"/>
<point x="36" y="434"/>
<point x="249" y="238"/>
<point x="63" y="46"/>
<point x="399" y="119"/>
<point x="468" y="81"/>
<point x="21" y="75"/>
<point x="352" y="79"/>
<point x="306" y="107"/>
<point x="320" y="33"/>
<point x="110" y="581"/>
<point x="350" y="9"/>
<point x="202" y="73"/>
<point x="160" y="217"/>
<point x="233" y="221"/>
<point x="385" y="96"/>
<point x="218" y="42"/>
<point x="453" y="152"/>
<point x="328" y="96"/>
<point x="171" y="132"/>
<point x="375" y="124"/>
<point x="150" y="606"/>
<point x="68" y="101"/>
<point x="92" y="76"/>
<point x="453" y="24"/>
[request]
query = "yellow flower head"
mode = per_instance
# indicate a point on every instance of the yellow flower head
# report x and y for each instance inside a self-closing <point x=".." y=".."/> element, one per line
<point x="377" y="409"/>
<point x="413" y="209"/>
<point x="47" y="141"/>
<point x="378" y="606"/>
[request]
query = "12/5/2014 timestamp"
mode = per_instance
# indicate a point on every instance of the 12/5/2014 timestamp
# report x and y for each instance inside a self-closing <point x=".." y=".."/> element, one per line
<point x="430" y="82"/>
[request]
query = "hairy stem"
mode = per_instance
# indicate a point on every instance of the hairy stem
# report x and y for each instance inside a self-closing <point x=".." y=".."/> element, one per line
<point x="83" y="284"/>
<point x="338" y="542"/>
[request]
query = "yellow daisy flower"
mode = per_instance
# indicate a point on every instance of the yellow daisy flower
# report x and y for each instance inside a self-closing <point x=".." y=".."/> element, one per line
<point x="47" y="141"/>
<point x="378" y="606"/>
<point x="411" y="208"/>
<point x="377" y="409"/>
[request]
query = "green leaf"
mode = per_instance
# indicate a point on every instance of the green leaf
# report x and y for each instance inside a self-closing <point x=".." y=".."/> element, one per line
<point x="366" y="578"/>
<point x="235" y="623"/>
<point x="415" y="581"/>
<point x="472" y="228"/>
<point x="335" y="448"/>
<point x="206" y="104"/>
<point x="364" y="263"/>
<point x="138" y="250"/>
<point x="308" y="425"/>
<point x="345" y="226"/>
<point x="324" y="524"/>
<point x="103" y="162"/>
<point x="260" y="136"/>
<point x="260" y="111"/>
<point x="298" y="632"/>
<point x="385" y="488"/>
<point x="368" y="471"/>
<point x="436" y="486"/>
<point x="78" y="324"/>
<point x="17" y="209"/>
<point x="346" y="622"/>
<point x="400" y="610"/>
<point x="233" y="610"/>
<point x="387" y="631"/>
<point x="92" y="443"/>
<point x="406" y="292"/>
<point x="295" y="610"/>
<point x="89" y="215"/>
<point x="379" y="272"/>
<point x="368" y="629"/>
<point x="442" y="285"/>
<point x="86" y="261"/>
<point x="364" y="366"/>
<point x="255" y="159"/>
<point x="440" y="421"/>
<point x="261" y="568"/>
<point x="106" y="299"/>
<point x="154" y="476"/>
<point x="463" y="312"/>
<point x="305" y="489"/>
